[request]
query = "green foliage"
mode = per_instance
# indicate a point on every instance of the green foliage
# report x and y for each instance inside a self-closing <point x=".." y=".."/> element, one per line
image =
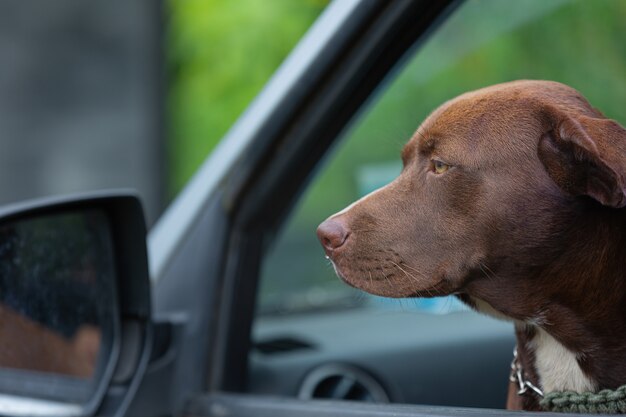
<point x="220" y="54"/>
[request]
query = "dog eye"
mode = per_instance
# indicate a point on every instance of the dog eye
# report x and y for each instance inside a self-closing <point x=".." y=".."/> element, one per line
<point x="439" y="167"/>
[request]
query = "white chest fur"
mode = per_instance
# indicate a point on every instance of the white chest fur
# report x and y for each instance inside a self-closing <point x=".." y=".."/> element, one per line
<point x="557" y="367"/>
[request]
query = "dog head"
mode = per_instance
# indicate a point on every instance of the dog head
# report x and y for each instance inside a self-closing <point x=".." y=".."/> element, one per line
<point x="492" y="185"/>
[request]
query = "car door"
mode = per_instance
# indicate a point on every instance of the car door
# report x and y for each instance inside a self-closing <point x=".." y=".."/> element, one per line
<point x="216" y="251"/>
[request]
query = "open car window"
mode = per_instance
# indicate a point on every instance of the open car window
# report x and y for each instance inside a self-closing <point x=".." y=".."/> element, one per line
<point x="484" y="42"/>
<point x="306" y="318"/>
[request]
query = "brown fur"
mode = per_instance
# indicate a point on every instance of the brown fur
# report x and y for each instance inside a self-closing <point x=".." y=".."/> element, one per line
<point x="527" y="218"/>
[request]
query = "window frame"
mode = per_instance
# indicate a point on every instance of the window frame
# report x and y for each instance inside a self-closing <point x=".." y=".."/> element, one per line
<point x="273" y="175"/>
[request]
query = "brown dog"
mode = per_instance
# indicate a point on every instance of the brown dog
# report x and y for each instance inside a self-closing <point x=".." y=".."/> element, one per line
<point x="510" y="198"/>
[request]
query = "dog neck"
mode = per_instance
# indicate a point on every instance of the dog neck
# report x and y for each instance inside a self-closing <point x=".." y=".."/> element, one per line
<point x="542" y="361"/>
<point x="570" y="317"/>
<point x="580" y="338"/>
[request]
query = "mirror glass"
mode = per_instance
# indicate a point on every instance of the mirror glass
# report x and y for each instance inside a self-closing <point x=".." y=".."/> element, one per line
<point x="57" y="306"/>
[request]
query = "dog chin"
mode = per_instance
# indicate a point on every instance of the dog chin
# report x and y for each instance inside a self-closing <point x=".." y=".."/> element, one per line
<point x="425" y="293"/>
<point x="344" y="278"/>
<point x="390" y="291"/>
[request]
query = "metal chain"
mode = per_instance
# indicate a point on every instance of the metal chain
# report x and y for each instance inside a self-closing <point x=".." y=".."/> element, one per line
<point x="517" y="376"/>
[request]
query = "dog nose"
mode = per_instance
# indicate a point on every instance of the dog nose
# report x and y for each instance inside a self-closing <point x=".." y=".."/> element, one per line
<point x="332" y="234"/>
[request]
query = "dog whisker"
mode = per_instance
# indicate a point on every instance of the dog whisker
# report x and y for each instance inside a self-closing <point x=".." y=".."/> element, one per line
<point x="414" y="278"/>
<point x="405" y="273"/>
<point x="386" y="278"/>
<point x="490" y="270"/>
<point x="428" y="291"/>
<point x="484" y="267"/>
<point x="421" y="134"/>
<point x="421" y="274"/>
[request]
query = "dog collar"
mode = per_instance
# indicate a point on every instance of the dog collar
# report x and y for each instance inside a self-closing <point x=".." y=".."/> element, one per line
<point x="518" y="377"/>
<point x="603" y="402"/>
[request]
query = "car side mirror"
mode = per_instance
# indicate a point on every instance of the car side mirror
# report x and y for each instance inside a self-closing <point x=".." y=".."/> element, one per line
<point x="75" y="329"/>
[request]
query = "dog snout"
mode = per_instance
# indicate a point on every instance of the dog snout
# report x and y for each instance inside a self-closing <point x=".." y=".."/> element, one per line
<point x="332" y="233"/>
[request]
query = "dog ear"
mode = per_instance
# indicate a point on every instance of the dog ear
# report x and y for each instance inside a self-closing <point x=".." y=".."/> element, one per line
<point x="587" y="156"/>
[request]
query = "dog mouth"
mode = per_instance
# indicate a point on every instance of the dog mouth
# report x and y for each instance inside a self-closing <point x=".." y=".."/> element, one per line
<point x="385" y="273"/>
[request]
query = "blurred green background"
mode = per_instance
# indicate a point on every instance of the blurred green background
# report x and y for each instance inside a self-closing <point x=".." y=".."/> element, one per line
<point x="221" y="54"/>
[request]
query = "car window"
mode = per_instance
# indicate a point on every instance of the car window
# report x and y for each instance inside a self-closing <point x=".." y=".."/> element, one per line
<point x="484" y="42"/>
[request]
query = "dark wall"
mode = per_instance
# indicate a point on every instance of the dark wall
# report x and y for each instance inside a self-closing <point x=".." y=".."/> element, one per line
<point x="81" y="98"/>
